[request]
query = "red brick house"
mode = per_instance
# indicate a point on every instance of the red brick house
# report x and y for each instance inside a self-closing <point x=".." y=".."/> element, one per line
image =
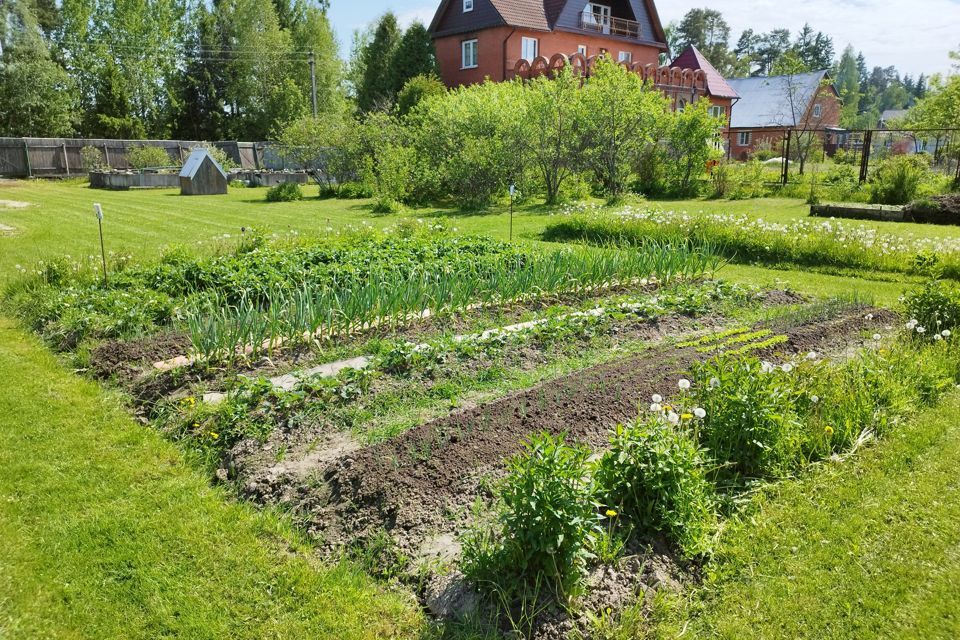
<point x="769" y="107"/>
<point x="477" y="39"/>
<point x="721" y="95"/>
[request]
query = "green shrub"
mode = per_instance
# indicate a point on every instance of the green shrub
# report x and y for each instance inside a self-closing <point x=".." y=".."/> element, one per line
<point x="93" y="159"/>
<point x="898" y="179"/>
<point x="653" y="474"/>
<point x="751" y="427"/>
<point x="764" y="151"/>
<point x="354" y="191"/>
<point x="285" y="192"/>
<point x="845" y="158"/>
<point x="935" y="306"/>
<point x="547" y="520"/>
<point x="150" y="157"/>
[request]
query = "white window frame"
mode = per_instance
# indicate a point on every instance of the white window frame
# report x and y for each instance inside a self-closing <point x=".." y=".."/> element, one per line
<point x="467" y="6"/>
<point x="718" y="111"/>
<point x="817" y="111"/>
<point x="625" y="56"/>
<point x="474" y="45"/>
<point x="525" y="44"/>
<point x="582" y="50"/>
<point x="744" y="138"/>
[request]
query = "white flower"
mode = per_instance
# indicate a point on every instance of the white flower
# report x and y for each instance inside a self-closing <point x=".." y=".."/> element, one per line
<point x="700" y="413"/>
<point x="657" y="397"/>
<point x="877" y="337"/>
<point x="945" y="333"/>
<point x="812" y="355"/>
<point x="767" y="367"/>
<point x="673" y="418"/>
<point x="814" y="399"/>
<point x="684" y="384"/>
<point x="714" y="383"/>
<point x="921" y="330"/>
<point x="787" y="368"/>
<point x="656" y="407"/>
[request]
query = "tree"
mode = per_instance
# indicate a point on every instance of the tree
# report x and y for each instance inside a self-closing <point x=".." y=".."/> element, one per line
<point x="35" y="92"/>
<point x="198" y="111"/>
<point x="310" y="31"/>
<point x="707" y="31"/>
<point x="689" y="145"/>
<point x="553" y="129"/>
<point x="375" y="89"/>
<point x="414" y="56"/>
<point x="622" y="117"/>
<point x="847" y="82"/>
<point x="416" y="91"/>
<point x="794" y="110"/>
<point x="814" y="49"/>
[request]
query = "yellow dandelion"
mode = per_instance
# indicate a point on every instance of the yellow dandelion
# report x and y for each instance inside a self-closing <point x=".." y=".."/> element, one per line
<point x="686" y="416"/>
<point x="196" y="424"/>
<point x="828" y="430"/>
<point x="611" y="513"/>
<point x="214" y="435"/>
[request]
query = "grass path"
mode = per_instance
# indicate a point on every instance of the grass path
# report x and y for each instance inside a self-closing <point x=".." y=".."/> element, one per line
<point x="108" y="533"/>
<point x="866" y="549"/>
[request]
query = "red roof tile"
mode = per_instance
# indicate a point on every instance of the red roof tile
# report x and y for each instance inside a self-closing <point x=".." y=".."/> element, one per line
<point x="691" y="58"/>
<point x="523" y="13"/>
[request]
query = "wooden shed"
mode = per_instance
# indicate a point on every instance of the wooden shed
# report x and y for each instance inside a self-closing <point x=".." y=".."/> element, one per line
<point x="202" y="175"/>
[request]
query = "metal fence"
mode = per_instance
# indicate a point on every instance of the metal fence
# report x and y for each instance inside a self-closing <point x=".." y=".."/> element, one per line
<point x="782" y="148"/>
<point x="60" y="157"/>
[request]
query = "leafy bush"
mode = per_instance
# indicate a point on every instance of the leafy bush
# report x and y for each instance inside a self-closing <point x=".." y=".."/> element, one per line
<point x="845" y="158"/>
<point x="898" y="179"/>
<point x="751" y="426"/>
<point x="150" y="157"/>
<point x="285" y="192"/>
<point x="764" y="151"/>
<point x="546" y="522"/>
<point x="654" y="475"/>
<point x="416" y="90"/>
<point x="935" y="307"/>
<point x="93" y="159"/>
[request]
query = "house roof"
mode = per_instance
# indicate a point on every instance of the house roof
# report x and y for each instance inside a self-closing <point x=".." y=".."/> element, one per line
<point x="692" y="58"/>
<point x="766" y="102"/>
<point x="541" y="15"/>
<point x="196" y="160"/>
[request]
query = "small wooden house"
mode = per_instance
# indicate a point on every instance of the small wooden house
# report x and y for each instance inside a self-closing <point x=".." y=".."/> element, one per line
<point x="202" y="175"/>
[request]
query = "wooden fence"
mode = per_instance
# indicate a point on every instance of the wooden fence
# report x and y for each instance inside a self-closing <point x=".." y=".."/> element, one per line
<point x="60" y="157"/>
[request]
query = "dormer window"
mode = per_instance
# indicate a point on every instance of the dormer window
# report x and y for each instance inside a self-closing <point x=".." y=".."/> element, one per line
<point x="467" y="5"/>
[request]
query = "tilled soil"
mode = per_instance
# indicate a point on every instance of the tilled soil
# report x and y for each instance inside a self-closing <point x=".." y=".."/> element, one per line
<point x="420" y="484"/>
<point x="126" y="359"/>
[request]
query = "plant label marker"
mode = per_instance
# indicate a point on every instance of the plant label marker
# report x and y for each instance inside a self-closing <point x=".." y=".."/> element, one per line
<point x="103" y="254"/>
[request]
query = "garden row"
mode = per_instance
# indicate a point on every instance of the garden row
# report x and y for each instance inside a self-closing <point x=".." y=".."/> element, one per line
<point x="257" y="295"/>
<point x="814" y="244"/>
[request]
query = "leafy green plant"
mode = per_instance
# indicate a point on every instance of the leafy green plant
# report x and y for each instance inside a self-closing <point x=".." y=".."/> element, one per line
<point x="93" y="159"/>
<point x="285" y="192"/>
<point x="898" y="179"/>
<point x="150" y="157"/>
<point x="934" y="307"/>
<point x="545" y="524"/>
<point x="654" y="475"/>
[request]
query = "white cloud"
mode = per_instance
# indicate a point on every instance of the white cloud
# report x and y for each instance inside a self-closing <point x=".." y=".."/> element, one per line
<point x="422" y="14"/>
<point x="915" y="37"/>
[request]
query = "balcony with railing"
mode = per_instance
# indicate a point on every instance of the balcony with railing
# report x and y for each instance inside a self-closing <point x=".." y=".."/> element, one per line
<point x="609" y="25"/>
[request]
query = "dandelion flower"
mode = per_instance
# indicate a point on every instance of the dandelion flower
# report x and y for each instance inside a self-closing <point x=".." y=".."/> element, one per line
<point x="828" y="430"/>
<point x="787" y="367"/>
<point x="714" y="383"/>
<point x="945" y="333"/>
<point x="938" y="337"/>
<point x="814" y="399"/>
<point x="812" y="355"/>
<point x="684" y="384"/>
<point x="877" y="337"/>
<point x="766" y="367"/>
<point x="700" y="413"/>
<point x="921" y="330"/>
<point x="686" y="416"/>
<point x="673" y="418"/>
<point x="214" y="435"/>
<point x="656" y="407"/>
<point x="611" y="513"/>
<point x="657" y="398"/>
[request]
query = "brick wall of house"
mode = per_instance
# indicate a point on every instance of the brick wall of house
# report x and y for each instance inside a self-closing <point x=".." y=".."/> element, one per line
<point x="500" y="49"/>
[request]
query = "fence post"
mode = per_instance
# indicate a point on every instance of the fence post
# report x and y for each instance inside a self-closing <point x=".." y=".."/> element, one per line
<point x="66" y="161"/>
<point x="26" y="153"/>
<point x="865" y="156"/>
<point x="106" y="154"/>
<point x="785" y="178"/>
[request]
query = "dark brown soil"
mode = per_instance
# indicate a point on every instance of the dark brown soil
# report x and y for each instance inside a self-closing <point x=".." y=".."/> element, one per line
<point x="422" y="482"/>
<point x="123" y="360"/>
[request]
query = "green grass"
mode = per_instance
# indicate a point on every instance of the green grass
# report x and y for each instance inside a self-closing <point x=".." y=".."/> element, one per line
<point x="108" y="533"/>
<point x="865" y="549"/>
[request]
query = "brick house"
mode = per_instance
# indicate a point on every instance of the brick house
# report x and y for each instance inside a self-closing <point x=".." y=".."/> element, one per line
<point x="479" y="39"/>
<point x="769" y="107"/>
<point x="721" y="95"/>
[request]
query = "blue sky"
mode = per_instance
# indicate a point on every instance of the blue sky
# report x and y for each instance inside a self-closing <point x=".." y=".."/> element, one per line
<point x="913" y="35"/>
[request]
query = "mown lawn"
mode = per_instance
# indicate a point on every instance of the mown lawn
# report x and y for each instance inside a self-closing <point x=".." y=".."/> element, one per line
<point x="865" y="549"/>
<point x="109" y="532"/>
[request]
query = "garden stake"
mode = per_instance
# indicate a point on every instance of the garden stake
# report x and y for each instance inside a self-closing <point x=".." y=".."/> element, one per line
<point x="103" y="254"/>
<point x="513" y="189"/>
